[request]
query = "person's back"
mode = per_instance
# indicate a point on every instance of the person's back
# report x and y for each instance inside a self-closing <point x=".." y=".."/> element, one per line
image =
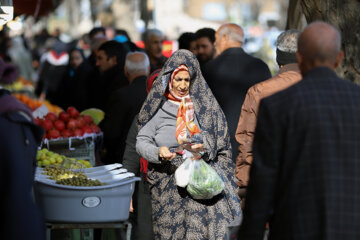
<point x="52" y="72"/>
<point x="322" y="150"/>
<point x="19" y="139"/>
<point x="289" y="74"/>
<point x="123" y="105"/>
<point x="231" y="74"/>
<point x="306" y="149"/>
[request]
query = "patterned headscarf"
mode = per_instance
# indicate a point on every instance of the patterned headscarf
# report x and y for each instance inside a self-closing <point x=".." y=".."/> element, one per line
<point x="210" y="116"/>
<point x="185" y="115"/>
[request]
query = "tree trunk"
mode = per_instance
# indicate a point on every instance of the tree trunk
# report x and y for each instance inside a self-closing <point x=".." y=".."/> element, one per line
<point x="345" y="15"/>
<point x="295" y="17"/>
<point x="74" y="17"/>
<point x="124" y="12"/>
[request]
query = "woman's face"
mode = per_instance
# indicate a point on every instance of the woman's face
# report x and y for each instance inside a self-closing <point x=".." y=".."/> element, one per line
<point x="75" y="59"/>
<point x="181" y="83"/>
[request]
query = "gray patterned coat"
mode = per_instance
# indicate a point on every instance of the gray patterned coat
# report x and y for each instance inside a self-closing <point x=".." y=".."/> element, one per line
<point x="175" y="214"/>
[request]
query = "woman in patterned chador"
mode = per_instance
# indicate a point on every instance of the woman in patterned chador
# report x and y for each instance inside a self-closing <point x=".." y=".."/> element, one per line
<point x="181" y="108"/>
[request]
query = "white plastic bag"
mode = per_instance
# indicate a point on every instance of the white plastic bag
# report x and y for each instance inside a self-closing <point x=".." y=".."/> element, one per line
<point x="182" y="173"/>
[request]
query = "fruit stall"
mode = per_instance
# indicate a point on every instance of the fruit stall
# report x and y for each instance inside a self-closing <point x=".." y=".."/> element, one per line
<point x="71" y="133"/>
<point x="72" y="188"/>
<point x="72" y="191"/>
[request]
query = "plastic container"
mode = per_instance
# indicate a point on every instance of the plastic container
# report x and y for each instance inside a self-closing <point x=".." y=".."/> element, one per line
<point x="96" y="204"/>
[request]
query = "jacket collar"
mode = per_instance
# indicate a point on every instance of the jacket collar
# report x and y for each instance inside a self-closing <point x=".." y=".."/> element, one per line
<point x="320" y="72"/>
<point x="139" y="79"/>
<point x="289" y="67"/>
<point x="232" y="50"/>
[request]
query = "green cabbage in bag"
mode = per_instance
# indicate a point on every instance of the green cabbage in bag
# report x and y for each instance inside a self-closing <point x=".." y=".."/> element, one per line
<point x="204" y="182"/>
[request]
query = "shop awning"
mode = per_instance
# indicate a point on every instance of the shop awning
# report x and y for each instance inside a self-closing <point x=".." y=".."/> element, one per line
<point x="35" y="8"/>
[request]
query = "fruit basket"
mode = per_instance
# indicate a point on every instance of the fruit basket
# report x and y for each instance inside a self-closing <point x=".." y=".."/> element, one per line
<point x="87" y="204"/>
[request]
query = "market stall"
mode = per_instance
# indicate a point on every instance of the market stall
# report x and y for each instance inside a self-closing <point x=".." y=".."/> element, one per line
<point x="97" y="197"/>
<point x="72" y="191"/>
<point x="72" y="188"/>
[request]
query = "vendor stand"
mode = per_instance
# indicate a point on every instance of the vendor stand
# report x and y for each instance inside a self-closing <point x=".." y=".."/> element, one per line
<point x="87" y="207"/>
<point x="82" y="207"/>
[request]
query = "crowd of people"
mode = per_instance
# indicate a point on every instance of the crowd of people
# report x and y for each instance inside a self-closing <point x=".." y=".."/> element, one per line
<point x="285" y="146"/>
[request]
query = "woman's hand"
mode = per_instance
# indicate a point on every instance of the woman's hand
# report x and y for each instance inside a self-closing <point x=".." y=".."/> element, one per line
<point x="197" y="146"/>
<point x="164" y="153"/>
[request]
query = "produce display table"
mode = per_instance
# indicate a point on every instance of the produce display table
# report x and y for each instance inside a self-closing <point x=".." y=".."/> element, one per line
<point x="124" y="227"/>
<point x="104" y="206"/>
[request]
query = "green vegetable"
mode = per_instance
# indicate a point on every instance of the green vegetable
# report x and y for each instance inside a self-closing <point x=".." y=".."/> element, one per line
<point x="204" y="181"/>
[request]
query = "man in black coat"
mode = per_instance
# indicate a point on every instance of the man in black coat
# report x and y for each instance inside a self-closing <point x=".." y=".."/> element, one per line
<point x="231" y="74"/>
<point x="205" y="48"/>
<point x="110" y="60"/>
<point x="123" y="105"/>
<point x="305" y="179"/>
<point x="19" y="139"/>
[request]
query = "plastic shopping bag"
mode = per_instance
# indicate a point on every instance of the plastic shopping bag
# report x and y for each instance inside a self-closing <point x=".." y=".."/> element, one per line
<point x="204" y="182"/>
<point x="182" y="173"/>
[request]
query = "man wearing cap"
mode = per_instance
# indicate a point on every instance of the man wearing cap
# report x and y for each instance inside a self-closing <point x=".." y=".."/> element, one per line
<point x="289" y="74"/>
<point x="304" y="179"/>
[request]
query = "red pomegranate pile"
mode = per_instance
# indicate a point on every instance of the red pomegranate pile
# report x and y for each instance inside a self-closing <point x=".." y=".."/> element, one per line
<point x="67" y="124"/>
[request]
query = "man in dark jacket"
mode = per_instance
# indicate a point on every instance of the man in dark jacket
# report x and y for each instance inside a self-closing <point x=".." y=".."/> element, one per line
<point x="19" y="139"/>
<point x="304" y="179"/>
<point x="110" y="60"/>
<point x="123" y="105"/>
<point x="231" y="74"/>
<point x="205" y="48"/>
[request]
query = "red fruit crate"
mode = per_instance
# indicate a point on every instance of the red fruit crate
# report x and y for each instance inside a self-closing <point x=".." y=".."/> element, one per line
<point x="76" y="147"/>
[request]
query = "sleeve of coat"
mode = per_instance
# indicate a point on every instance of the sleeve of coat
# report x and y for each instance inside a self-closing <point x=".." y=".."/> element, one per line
<point x="18" y="152"/>
<point x="145" y="142"/>
<point x="131" y="159"/>
<point x="245" y="135"/>
<point x="261" y="190"/>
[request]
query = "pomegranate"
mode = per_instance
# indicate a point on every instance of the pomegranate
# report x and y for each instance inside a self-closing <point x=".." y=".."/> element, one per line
<point x="64" y="116"/>
<point x="52" y="116"/>
<point x="73" y="112"/>
<point x="53" y="133"/>
<point x="47" y="124"/>
<point x="59" y="125"/>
